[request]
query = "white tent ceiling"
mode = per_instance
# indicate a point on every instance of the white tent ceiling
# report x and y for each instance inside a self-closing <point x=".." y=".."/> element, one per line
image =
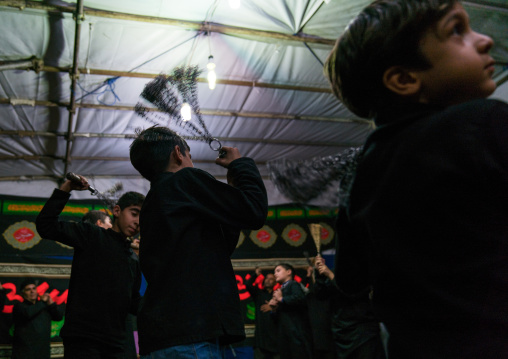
<point x="271" y="101"/>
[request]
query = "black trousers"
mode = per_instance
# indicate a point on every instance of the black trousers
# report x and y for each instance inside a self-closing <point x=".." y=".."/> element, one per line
<point x="84" y="348"/>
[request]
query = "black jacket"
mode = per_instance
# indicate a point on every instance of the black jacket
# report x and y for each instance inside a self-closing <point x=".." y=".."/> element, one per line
<point x="32" y="329"/>
<point x="265" y="335"/>
<point x="105" y="278"/>
<point x="353" y="323"/>
<point x="190" y="225"/>
<point x="427" y="226"/>
<point x="320" y="317"/>
<point x="294" y="335"/>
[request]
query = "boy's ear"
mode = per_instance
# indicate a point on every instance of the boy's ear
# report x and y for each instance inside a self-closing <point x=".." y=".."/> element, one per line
<point x="177" y="155"/>
<point x="401" y="81"/>
<point x="116" y="211"/>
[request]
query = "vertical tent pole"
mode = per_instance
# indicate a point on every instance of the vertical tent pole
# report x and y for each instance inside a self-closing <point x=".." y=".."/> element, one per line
<point x="78" y="18"/>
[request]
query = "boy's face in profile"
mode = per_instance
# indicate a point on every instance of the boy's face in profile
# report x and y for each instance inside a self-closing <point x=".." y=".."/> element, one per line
<point x="127" y="220"/>
<point x="282" y="274"/>
<point x="462" y="68"/>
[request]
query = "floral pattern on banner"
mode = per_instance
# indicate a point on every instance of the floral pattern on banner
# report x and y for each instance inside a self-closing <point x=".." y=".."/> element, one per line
<point x="264" y="237"/>
<point x="294" y="235"/>
<point x="22" y="235"/>
<point x="327" y="233"/>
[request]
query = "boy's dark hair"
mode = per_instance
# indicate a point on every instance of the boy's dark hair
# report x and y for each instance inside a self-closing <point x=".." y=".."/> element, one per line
<point x="386" y="33"/>
<point x="130" y="199"/>
<point x="93" y="216"/>
<point x="287" y="266"/>
<point x="150" y="151"/>
<point x="26" y="282"/>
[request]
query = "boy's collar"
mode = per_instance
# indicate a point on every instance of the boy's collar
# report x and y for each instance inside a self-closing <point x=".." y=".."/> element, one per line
<point x="400" y="112"/>
<point x="120" y="237"/>
<point x="285" y="283"/>
<point x="160" y="176"/>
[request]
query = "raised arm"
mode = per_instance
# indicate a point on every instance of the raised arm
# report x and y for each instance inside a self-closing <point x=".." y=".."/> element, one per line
<point x="48" y="224"/>
<point x="243" y="205"/>
<point x="54" y="310"/>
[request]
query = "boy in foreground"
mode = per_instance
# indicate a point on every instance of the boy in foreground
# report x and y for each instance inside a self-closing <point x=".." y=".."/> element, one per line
<point x="427" y="219"/>
<point x="105" y="278"/>
<point x="190" y="227"/>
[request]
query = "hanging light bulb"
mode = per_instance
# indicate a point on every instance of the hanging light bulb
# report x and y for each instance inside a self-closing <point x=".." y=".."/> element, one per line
<point x="185" y="111"/>
<point x="212" y="76"/>
<point x="235" y="4"/>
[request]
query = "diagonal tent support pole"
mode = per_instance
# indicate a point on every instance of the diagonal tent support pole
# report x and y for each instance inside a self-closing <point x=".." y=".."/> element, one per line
<point x="74" y="78"/>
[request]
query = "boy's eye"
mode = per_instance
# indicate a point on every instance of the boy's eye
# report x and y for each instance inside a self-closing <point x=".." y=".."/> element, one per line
<point x="458" y="29"/>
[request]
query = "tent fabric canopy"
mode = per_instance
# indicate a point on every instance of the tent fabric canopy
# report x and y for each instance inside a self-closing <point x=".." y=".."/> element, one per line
<point x="271" y="101"/>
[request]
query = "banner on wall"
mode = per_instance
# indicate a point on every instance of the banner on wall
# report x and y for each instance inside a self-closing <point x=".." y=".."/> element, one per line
<point x="285" y="234"/>
<point x="285" y="237"/>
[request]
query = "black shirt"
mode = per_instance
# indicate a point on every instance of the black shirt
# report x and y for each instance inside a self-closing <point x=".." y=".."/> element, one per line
<point x="105" y="278"/>
<point x="32" y="329"/>
<point x="190" y="225"/>
<point x="265" y="335"/>
<point x="427" y="226"/>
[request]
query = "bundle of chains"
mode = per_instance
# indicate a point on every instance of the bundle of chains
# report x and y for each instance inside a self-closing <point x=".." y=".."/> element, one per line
<point x="168" y="93"/>
<point x="110" y="197"/>
<point x="303" y="181"/>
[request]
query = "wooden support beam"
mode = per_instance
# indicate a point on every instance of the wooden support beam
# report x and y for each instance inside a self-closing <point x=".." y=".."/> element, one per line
<point x="275" y="116"/>
<point x="190" y="25"/>
<point x="203" y="80"/>
<point x="189" y="138"/>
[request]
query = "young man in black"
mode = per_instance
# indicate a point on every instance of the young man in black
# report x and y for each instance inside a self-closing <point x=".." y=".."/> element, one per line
<point x="265" y="335"/>
<point x="190" y="227"/>
<point x="105" y="278"/>
<point x="32" y="323"/>
<point x="356" y="331"/>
